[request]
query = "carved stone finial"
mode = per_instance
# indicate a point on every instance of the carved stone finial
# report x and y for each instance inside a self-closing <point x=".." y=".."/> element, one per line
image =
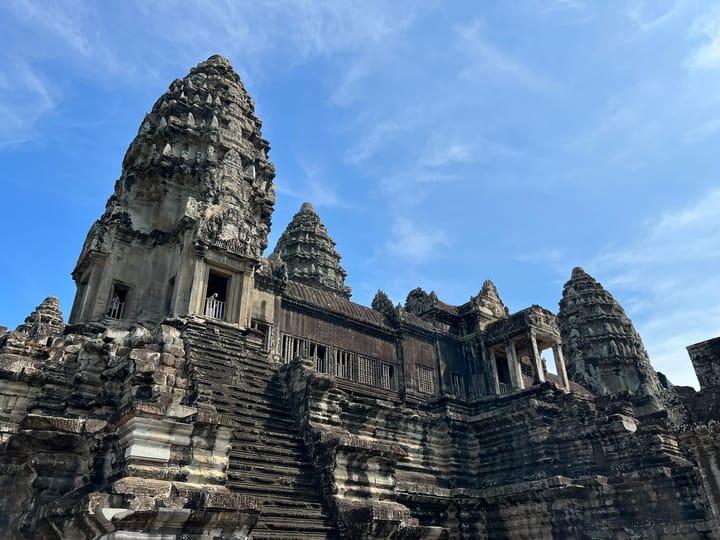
<point x="272" y="273"/>
<point x="382" y="303"/>
<point x="418" y="302"/>
<point x="309" y="253"/>
<point x="488" y="300"/>
<point x="45" y="321"/>
<point x="216" y="60"/>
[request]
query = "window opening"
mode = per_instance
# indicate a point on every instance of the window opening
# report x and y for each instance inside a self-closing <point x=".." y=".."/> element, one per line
<point x="426" y="380"/>
<point x="340" y="363"/>
<point x="503" y="373"/>
<point x="286" y="348"/>
<point x="216" y="295"/>
<point x="264" y="329"/>
<point x="118" y="298"/>
<point x="168" y="297"/>
<point x="366" y="371"/>
<point x="387" y="376"/>
<point x="319" y="354"/>
<point x="343" y="364"/>
<point x="458" y="385"/>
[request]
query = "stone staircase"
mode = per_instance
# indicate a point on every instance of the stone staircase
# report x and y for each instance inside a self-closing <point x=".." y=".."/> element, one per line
<point x="268" y="459"/>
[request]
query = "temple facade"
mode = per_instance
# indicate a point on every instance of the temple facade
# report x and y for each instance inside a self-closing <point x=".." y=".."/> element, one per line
<point x="200" y="390"/>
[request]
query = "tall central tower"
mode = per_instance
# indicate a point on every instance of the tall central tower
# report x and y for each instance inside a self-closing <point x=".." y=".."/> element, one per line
<point x="189" y="218"/>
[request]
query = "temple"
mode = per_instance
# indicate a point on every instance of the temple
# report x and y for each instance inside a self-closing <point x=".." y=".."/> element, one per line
<point x="200" y="390"/>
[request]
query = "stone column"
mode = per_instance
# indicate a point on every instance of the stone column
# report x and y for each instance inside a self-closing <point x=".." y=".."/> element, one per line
<point x="242" y="298"/>
<point x="184" y="275"/>
<point x="439" y="369"/>
<point x="560" y="366"/>
<point x="535" y="358"/>
<point x="488" y="357"/>
<point x="516" y="379"/>
<point x="199" y="284"/>
<point x="95" y="302"/>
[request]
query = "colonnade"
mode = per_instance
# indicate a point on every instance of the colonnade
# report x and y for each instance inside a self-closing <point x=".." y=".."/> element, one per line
<point x="516" y="380"/>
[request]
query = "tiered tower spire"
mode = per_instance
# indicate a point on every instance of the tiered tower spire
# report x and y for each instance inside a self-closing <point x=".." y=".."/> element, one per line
<point x="196" y="180"/>
<point x="199" y="154"/>
<point x="309" y="253"/>
<point x="602" y="348"/>
<point x="488" y="301"/>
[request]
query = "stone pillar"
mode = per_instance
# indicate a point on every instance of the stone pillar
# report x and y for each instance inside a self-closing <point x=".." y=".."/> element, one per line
<point x="184" y="278"/>
<point x="560" y="366"/>
<point x="535" y="358"/>
<point x="94" y="307"/>
<point x="400" y="363"/>
<point x="516" y="379"/>
<point x="246" y="284"/>
<point x="199" y="283"/>
<point x="488" y="358"/>
<point x="439" y="369"/>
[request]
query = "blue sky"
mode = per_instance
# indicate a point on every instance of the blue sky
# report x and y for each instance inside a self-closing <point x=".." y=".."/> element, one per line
<point x="442" y="143"/>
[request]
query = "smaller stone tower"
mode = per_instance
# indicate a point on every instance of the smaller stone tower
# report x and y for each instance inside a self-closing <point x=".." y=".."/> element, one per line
<point x="309" y="253"/>
<point x="189" y="218"/>
<point x="603" y="350"/>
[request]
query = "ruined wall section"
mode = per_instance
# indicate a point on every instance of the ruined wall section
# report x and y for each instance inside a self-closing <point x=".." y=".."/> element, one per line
<point x="103" y="440"/>
<point x="541" y="463"/>
<point x="701" y="437"/>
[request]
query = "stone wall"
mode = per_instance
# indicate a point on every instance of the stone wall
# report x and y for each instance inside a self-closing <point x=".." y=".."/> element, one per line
<point x="99" y="438"/>
<point x="540" y="464"/>
<point x="705" y="358"/>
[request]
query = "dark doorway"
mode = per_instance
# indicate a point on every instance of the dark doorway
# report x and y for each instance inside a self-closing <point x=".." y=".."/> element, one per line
<point x="216" y="295"/>
<point x="503" y="371"/>
<point x="118" y="301"/>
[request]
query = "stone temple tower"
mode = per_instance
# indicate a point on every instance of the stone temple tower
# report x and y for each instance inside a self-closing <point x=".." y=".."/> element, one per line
<point x="188" y="221"/>
<point x="309" y="253"/>
<point x="603" y="350"/>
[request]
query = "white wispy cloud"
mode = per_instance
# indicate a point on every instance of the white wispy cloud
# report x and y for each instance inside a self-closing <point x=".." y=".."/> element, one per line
<point x="652" y="15"/>
<point x="486" y="60"/>
<point x="448" y="153"/>
<point x="555" y="258"/>
<point x="374" y="138"/>
<point x="569" y="12"/>
<point x="415" y="242"/>
<point x="569" y="4"/>
<point x="25" y="96"/>
<point x="135" y="42"/>
<point x="668" y="275"/>
<point x="57" y="19"/>
<point x="313" y="185"/>
<point x="707" y="26"/>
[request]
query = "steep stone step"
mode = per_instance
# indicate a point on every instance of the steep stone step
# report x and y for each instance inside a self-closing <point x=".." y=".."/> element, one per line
<point x="268" y="459"/>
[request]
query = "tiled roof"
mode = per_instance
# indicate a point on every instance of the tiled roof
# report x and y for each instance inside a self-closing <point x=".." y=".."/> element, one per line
<point x="334" y="303"/>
